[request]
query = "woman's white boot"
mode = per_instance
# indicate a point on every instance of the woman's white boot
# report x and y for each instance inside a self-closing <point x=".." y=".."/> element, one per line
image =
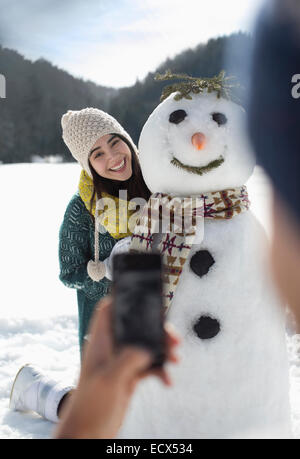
<point x="33" y="391"/>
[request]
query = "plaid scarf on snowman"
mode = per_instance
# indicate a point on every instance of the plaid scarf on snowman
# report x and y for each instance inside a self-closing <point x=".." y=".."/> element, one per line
<point x="175" y="220"/>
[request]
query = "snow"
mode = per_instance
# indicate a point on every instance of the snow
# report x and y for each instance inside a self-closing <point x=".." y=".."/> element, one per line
<point x="38" y="322"/>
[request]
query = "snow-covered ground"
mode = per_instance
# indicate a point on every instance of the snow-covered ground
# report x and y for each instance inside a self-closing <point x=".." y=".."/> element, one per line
<point x="38" y="320"/>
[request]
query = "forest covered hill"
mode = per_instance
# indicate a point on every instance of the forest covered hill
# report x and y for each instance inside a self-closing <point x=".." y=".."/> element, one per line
<point x="38" y="93"/>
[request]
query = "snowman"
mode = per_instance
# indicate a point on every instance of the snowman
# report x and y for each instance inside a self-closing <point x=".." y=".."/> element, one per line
<point x="232" y="379"/>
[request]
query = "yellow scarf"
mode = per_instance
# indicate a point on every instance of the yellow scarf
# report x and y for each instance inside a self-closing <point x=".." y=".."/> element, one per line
<point x="122" y="214"/>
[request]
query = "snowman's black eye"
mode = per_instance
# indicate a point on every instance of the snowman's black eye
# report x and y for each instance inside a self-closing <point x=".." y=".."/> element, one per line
<point x="219" y="118"/>
<point x="177" y="116"/>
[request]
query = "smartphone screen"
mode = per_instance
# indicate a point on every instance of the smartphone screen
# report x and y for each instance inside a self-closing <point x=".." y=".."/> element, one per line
<point x="138" y="317"/>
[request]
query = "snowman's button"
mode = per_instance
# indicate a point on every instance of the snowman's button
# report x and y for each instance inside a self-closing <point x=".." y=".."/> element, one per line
<point x="207" y="327"/>
<point x="201" y="262"/>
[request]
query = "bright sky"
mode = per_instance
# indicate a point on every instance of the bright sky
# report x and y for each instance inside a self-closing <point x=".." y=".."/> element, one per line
<point x="115" y="42"/>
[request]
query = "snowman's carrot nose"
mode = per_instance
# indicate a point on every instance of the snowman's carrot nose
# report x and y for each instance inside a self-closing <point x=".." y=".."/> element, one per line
<point x="199" y="140"/>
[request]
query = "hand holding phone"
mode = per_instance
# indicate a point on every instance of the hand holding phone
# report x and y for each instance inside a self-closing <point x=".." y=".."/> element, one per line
<point x="138" y="316"/>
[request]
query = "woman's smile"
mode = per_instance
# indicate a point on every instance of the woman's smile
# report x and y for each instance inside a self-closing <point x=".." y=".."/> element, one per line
<point x="120" y="166"/>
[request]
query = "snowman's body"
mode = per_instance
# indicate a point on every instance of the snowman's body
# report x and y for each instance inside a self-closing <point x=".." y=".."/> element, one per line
<point x="232" y="379"/>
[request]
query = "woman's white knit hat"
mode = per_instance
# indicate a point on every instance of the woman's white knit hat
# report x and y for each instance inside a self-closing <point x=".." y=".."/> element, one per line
<point x="82" y="128"/>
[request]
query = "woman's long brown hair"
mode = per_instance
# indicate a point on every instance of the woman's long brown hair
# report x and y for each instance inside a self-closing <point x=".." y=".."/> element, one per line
<point x="135" y="185"/>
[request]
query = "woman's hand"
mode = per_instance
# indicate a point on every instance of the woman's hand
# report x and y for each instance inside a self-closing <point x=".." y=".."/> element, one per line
<point x="107" y="381"/>
<point x="121" y="246"/>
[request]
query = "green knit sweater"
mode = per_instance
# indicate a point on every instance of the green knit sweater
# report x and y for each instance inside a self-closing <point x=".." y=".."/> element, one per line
<point x="76" y="248"/>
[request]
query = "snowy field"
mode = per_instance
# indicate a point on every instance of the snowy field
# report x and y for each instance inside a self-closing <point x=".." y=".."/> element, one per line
<point x="38" y="321"/>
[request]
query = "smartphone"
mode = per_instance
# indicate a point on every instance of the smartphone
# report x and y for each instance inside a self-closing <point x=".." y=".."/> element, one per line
<point x="138" y="315"/>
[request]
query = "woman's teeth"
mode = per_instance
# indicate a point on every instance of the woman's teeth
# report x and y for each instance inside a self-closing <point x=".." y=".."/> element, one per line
<point x="117" y="168"/>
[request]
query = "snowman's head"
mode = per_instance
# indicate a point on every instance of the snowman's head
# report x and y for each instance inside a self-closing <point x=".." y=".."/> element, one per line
<point x="195" y="146"/>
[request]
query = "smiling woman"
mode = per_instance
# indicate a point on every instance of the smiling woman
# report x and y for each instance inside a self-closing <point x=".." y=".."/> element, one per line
<point x="114" y="167"/>
<point x="110" y="157"/>
<point x="109" y="160"/>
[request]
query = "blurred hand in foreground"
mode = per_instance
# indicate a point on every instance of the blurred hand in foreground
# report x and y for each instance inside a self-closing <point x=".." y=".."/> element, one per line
<point x="107" y="381"/>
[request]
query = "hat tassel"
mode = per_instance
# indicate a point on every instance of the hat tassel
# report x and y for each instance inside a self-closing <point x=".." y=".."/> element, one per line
<point x="96" y="269"/>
